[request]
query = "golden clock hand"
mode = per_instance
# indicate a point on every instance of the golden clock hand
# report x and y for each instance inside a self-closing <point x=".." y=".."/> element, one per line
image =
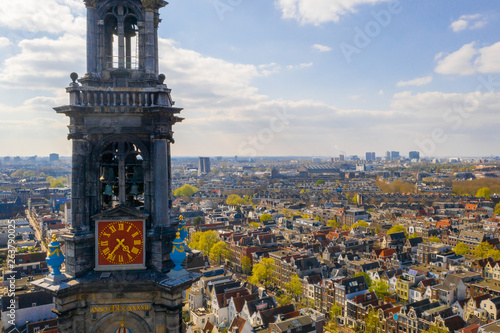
<point x="126" y="248"/>
<point x="120" y="243"/>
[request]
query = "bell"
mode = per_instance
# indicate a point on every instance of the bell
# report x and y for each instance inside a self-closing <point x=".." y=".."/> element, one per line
<point x="138" y="175"/>
<point x="134" y="189"/>
<point x="108" y="190"/>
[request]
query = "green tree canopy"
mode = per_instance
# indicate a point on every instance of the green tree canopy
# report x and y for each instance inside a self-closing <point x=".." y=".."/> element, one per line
<point x="198" y="220"/>
<point x="484" y="192"/>
<point x="236" y="200"/>
<point x="413" y="235"/>
<point x="320" y="182"/>
<point x="262" y="272"/>
<point x="266" y="217"/>
<point x="333" y="223"/>
<point x="461" y="249"/>
<point x="497" y="209"/>
<point x="294" y="287"/>
<point x="434" y="239"/>
<point x="372" y="322"/>
<point x="219" y="252"/>
<point x="185" y="191"/>
<point x="396" y="228"/>
<point x="367" y="277"/>
<point x="246" y="265"/>
<point x="204" y="241"/>
<point x="381" y="288"/>
<point x="18" y="173"/>
<point x="436" y="329"/>
<point x="485" y="250"/>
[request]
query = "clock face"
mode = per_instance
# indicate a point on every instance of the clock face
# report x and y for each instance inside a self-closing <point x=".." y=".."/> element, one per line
<point x="120" y="243"/>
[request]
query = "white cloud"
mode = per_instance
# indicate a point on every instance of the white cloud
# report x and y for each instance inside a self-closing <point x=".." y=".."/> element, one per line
<point x="50" y="16"/>
<point x="4" y="42"/>
<point x="321" y="48"/>
<point x="320" y="11"/>
<point x="416" y="82"/>
<point x="458" y="62"/>
<point x="381" y="92"/>
<point x="475" y="21"/>
<point x="470" y="60"/>
<point x="299" y="66"/>
<point x="354" y="97"/>
<point x="43" y="62"/>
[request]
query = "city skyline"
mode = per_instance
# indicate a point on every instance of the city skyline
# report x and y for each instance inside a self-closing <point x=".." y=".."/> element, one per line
<point x="290" y="77"/>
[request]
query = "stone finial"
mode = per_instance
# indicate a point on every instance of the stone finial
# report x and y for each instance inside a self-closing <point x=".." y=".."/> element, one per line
<point x="161" y="78"/>
<point x="74" y="77"/>
<point x="150" y="4"/>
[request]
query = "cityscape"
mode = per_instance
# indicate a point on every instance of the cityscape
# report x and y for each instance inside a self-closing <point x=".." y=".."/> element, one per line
<point x="155" y="180"/>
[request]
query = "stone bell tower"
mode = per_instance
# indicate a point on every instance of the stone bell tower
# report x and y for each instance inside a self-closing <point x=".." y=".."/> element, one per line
<point x="121" y="116"/>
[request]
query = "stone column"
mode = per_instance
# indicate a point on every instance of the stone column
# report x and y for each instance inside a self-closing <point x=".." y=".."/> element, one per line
<point x="161" y="185"/>
<point x="92" y="47"/>
<point x="150" y="42"/>
<point x="79" y="213"/>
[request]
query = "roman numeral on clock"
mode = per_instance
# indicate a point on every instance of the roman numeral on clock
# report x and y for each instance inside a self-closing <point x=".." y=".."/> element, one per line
<point x="135" y="250"/>
<point x="112" y="229"/>
<point x="104" y="243"/>
<point x="135" y="234"/>
<point x="137" y="242"/>
<point x="106" y="251"/>
<point x="121" y="226"/>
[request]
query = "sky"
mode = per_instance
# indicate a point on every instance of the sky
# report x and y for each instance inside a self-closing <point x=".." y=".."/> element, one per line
<point x="279" y="77"/>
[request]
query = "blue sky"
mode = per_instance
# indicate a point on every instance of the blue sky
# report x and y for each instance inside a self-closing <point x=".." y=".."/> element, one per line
<point x="281" y="77"/>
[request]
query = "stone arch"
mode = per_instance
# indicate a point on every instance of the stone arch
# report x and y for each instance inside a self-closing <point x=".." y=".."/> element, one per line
<point x="111" y="322"/>
<point x="101" y="145"/>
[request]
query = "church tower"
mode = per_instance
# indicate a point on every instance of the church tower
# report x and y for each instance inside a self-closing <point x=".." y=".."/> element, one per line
<point x="121" y="116"/>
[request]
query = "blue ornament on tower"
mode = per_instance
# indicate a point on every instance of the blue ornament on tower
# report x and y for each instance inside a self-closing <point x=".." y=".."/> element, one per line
<point x="178" y="255"/>
<point x="183" y="229"/>
<point x="55" y="257"/>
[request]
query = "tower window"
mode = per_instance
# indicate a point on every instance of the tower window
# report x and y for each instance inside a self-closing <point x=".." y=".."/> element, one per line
<point x="122" y="175"/>
<point x="121" y="38"/>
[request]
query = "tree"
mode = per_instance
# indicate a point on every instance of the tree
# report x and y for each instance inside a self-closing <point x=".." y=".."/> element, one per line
<point x="219" y="252"/>
<point x="436" y="329"/>
<point x="284" y="299"/>
<point x="262" y="272"/>
<point x="335" y="311"/>
<point x="320" y="182"/>
<point x="204" y="241"/>
<point x="185" y="191"/>
<point x="368" y="279"/>
<point x="497" y="209"/>
<point x="413" y="235"/>
<point x="381" y="288"/>
<point x="266" y="217"/>
<point x="372" y="321"/>
<point x="486" y="250"/>
<point x="461" y="249"/>
<point x="246" y="265"/>
<point x="198" y="220"/>
<point x="18" y="173"/>
<point x="434" y="239"/>
<point x="235" y="200"/>
<point x="333" y="223"/>
<point x="29" y="174"/>
<point x="396" y="228"/>
<point x="294" y="287"/>
<point x="484" y="192"/>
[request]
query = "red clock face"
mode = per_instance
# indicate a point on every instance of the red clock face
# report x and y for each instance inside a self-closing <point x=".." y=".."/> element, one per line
<point x="120" y="243"/>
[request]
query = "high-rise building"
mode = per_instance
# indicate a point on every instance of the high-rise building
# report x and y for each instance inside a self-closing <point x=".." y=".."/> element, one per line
<point x="54" y="157"/>
<point x="414" y="155"/>
<point x="342" y="158"/>
<point x="388" y="155"/>
<point x="118" y="251"/>
<point x="394" y="155"/>
<point x="203" y="166"/>
<point x="370" y="156"/>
